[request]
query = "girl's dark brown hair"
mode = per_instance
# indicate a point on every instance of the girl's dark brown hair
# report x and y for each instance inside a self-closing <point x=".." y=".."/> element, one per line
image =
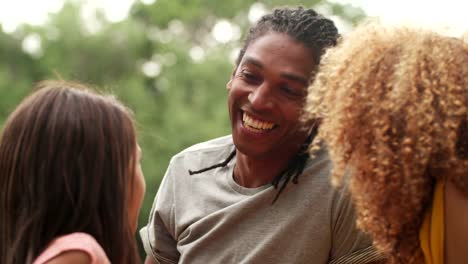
<point x="67" y="165"/>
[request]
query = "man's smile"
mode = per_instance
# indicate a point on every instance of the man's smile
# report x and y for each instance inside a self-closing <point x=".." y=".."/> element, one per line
<point x="256" y="125"/>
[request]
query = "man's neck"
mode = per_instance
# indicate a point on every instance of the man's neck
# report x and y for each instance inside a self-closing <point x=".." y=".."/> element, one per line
<point x="253" y="172"/>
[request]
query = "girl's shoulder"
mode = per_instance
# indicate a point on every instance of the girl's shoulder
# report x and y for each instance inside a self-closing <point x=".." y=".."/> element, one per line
<point x="77" y="247"/>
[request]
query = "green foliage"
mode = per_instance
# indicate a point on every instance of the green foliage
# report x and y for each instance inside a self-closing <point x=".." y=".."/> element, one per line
<point x="183" y="102"/>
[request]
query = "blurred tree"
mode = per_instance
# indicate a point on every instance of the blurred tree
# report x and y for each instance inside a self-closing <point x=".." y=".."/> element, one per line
<point x="169" y="61"/>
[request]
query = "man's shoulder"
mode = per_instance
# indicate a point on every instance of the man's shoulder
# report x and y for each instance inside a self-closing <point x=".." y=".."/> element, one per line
<point x="207" y="152"/>
<point x="216" y="144"/>
<point x="318" y="159"/>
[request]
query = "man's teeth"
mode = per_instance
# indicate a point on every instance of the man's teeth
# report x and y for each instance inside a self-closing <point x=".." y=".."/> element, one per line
<point x="257" y="124"/>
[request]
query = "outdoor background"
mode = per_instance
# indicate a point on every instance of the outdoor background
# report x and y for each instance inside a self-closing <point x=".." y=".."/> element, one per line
<point x="168" y="60"/>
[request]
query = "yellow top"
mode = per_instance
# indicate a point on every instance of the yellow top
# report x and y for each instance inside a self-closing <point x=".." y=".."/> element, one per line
<point x="431" y="235"/>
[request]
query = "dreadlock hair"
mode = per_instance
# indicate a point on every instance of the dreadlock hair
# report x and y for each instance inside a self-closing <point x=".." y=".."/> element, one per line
<point x="315" y="32"/>
<point x="296" y="167"/>
<point x="303" y="25"/>
<point x="219" y="165"/>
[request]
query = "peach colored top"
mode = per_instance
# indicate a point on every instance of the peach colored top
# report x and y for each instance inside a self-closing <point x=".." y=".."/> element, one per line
<point x="74" y="241"/>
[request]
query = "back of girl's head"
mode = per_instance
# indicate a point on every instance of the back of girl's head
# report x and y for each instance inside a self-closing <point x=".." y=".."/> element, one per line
<point x="395" y="102"/>
<point x="66" y="157"/>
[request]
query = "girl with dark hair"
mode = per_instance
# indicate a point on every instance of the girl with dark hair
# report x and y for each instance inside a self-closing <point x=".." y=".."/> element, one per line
<point x="71" y="184"/>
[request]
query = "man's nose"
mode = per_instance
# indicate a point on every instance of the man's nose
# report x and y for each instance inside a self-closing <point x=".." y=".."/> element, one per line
<point x="262" y="97"/>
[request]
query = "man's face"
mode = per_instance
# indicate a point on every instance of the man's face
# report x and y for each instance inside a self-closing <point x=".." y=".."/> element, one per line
<point x="266" y="94"/>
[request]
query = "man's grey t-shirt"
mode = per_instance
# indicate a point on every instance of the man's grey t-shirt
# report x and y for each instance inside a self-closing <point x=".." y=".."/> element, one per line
<point x="209" y="218"/>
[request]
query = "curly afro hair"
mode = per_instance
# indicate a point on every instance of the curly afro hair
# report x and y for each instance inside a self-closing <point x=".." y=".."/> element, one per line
<point x="394" y="109"/>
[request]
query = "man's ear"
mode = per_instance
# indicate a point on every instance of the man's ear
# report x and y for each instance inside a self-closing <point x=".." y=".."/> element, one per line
<point x="229" y="83"/>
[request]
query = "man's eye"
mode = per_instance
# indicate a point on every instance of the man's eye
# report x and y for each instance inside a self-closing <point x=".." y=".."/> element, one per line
<point x="291" y="91"/>
<point x="248" y="75"/>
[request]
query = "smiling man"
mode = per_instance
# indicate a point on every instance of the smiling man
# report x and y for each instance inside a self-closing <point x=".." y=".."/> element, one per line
<point x="229" y="200"/>
<point x="266" y="93"/>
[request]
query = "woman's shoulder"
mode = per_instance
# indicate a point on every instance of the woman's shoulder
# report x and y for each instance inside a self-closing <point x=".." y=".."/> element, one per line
<point x="75" y="246"/>
<point x="456" y="210"/>
<point x="71" y="257"/>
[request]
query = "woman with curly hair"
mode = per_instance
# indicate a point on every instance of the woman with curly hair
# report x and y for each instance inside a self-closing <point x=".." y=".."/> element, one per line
<point x="394" y="110"/>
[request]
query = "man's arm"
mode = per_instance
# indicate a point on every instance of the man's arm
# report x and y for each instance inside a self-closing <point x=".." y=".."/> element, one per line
<point x="158" y="236"/>
<point x="159" y="244"/>
<point x="349" y="244"/>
